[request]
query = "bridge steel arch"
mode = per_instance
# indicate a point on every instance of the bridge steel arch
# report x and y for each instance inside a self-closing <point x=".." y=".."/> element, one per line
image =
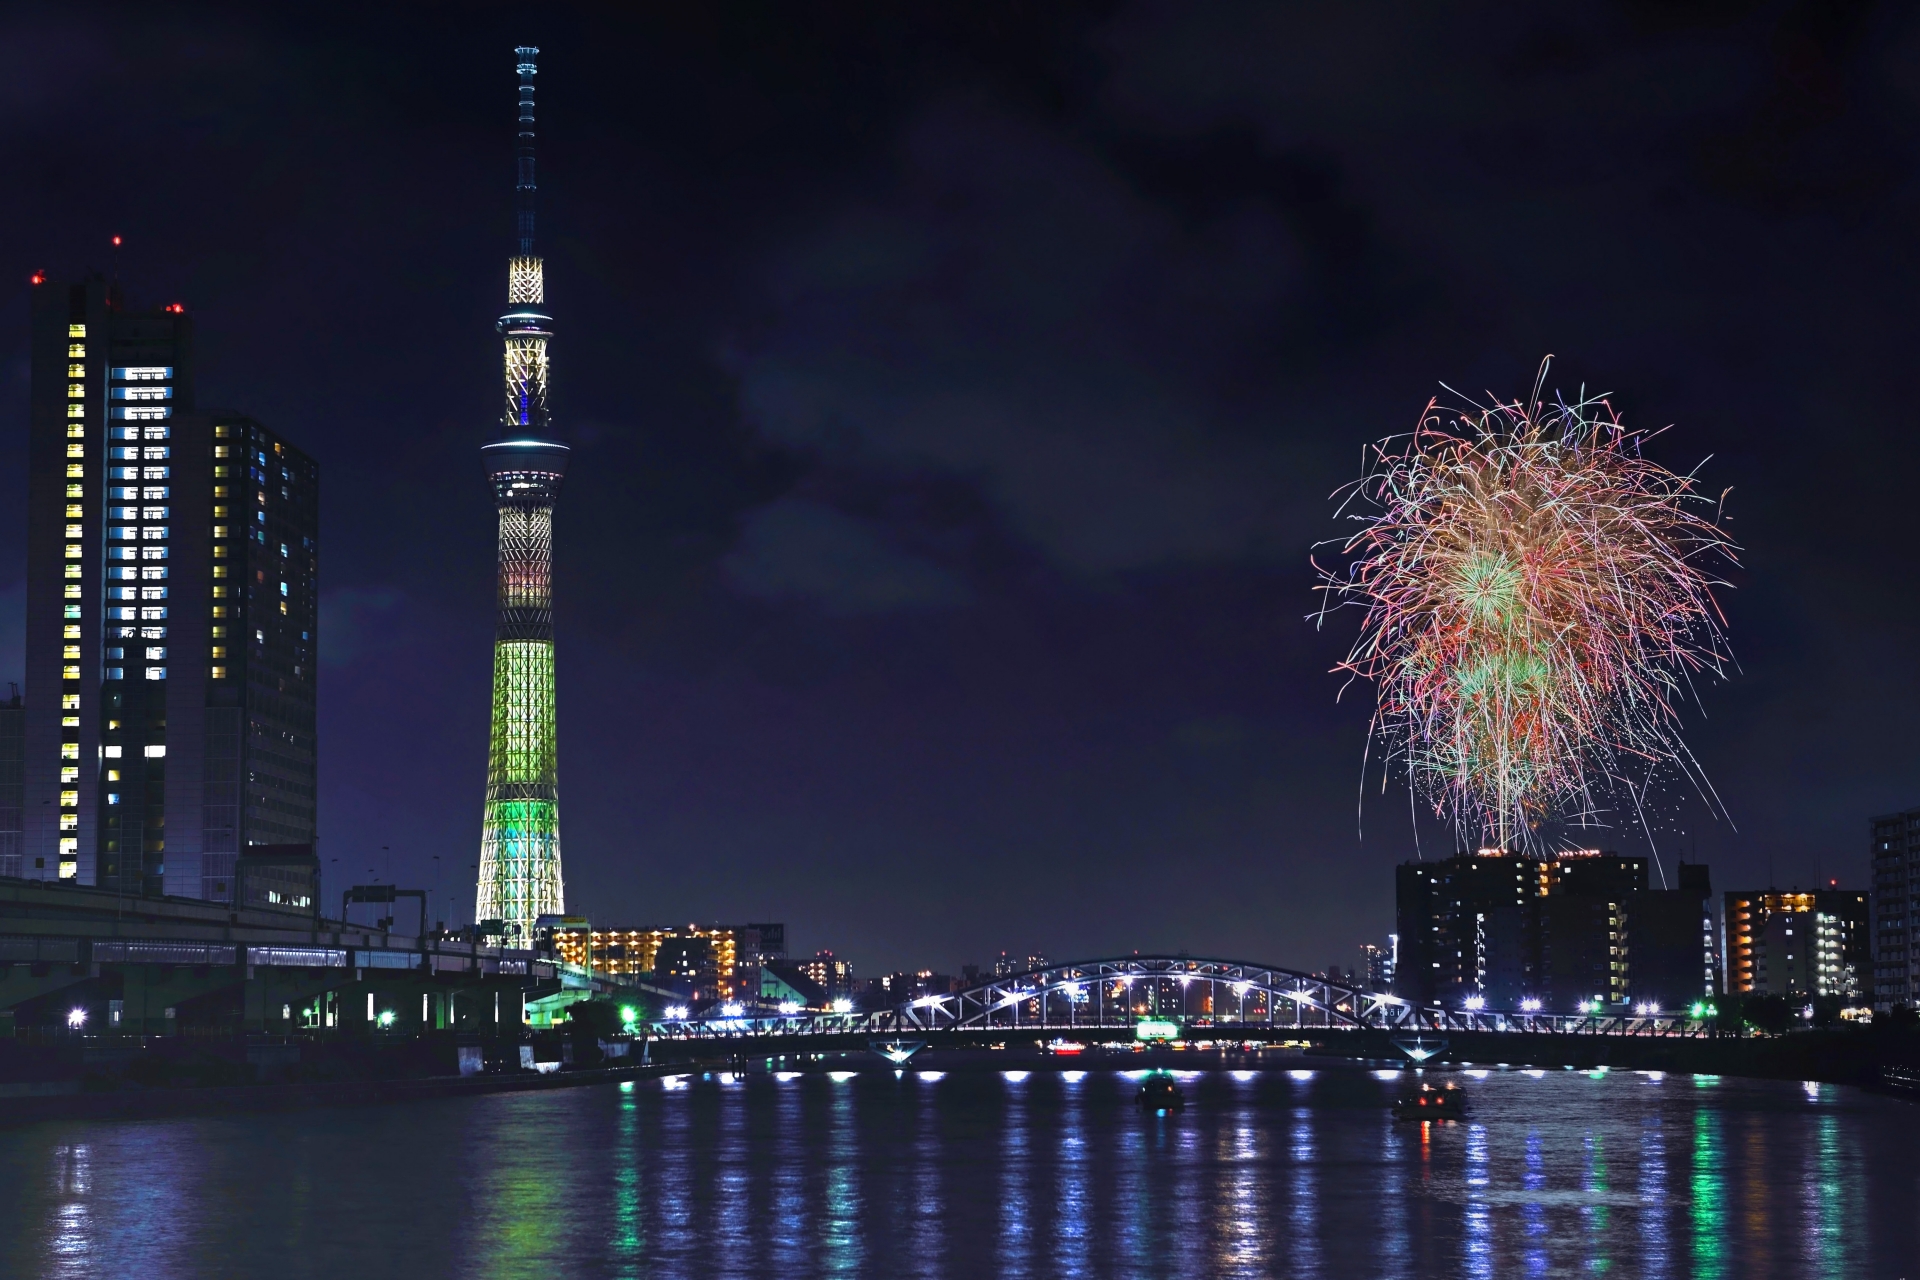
<point x="1122" y="991"/>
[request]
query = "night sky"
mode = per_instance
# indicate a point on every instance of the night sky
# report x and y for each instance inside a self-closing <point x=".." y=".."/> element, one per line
<point x="956" y="393"/>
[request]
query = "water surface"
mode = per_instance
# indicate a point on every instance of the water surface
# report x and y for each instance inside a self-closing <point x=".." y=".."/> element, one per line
<point x="983" y="1172"/>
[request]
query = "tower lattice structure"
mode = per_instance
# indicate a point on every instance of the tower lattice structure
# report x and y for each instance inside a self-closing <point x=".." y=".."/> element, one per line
<point x="520" y="877"/>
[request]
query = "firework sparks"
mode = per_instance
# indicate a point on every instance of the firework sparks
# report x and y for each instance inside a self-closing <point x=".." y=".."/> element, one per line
<point x="1539" y="600"/>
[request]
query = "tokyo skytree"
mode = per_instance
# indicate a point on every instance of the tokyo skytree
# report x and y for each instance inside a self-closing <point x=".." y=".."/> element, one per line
<point x="520" y="837"/>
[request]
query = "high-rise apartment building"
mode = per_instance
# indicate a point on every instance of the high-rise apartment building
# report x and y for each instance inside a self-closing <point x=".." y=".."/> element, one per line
<point x="1794" y="943"/>
<point x="172" y="611"/>
<point x="1556" y="932"/>
<point x="1896" y="901"/>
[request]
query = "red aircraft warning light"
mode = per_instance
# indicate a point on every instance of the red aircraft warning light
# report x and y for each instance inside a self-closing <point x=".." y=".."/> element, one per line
<point x="175" y="307"/>
<point x="116" y="239"/>
<point x="38" y="277"/>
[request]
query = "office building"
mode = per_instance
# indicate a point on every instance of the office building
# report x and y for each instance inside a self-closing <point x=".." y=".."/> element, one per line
<point x="1896" y="899"/>
<point x="172" y="611"/>
<point x="519" y="870"/>
<point x="1798" y="944"/>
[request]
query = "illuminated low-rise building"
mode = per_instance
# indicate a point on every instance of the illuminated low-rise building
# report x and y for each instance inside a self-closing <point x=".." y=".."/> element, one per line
<point x="719" y="961"/>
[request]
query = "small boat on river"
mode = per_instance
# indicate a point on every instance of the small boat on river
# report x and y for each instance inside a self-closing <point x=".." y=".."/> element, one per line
<point x="1428" y="1103"/>
<point x="1160" y="1095"/>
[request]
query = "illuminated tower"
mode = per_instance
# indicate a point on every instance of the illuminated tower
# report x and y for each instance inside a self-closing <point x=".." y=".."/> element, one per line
<point x="520" y="840"/>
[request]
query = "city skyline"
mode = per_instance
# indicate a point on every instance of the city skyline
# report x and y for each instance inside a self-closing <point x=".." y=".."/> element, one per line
<point x="871" y="590"/>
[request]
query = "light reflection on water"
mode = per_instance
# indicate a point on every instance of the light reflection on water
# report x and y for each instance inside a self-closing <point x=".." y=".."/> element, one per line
<point x="976" y="1173"/>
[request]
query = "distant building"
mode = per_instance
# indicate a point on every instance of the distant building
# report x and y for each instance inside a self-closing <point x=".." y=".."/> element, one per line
<point x="278" y="877"/>
<point x="1793" y="943"/>
<point x="1377" y="963"/>
<point x="783" y="982"/>
<point x="705" y="962"/>
<point x="12" y="746"/>
<point x="773" y="941"/>
<point x="172" y="611"/>
<point x="832" y="974"/>
<point x="1555" y="932"/>
<point x="1896" y="903"/>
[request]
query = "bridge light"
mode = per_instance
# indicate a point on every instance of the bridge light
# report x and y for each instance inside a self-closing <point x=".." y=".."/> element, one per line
<point x="843" y="1005"/>
<point x="1530" y="1005"/>
<point x="1072" y="989"/>
<point x="676" y="1013"/>
<point x="76" y="1018"/>
<point x="789" y="1007"/>
<point x="629" y="1015"/>
<point x="386" y="1018"/>
<point x="1475" y="1003"/>
<point x="1241" y="988"/>
<point x="732" y="1009"/>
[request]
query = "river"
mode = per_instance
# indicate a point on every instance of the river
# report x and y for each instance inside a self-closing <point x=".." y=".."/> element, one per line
<point x="976" y="1172"/>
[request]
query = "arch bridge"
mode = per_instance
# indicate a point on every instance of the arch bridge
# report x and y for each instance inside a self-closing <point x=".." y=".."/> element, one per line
<point x="1206" y="998"/>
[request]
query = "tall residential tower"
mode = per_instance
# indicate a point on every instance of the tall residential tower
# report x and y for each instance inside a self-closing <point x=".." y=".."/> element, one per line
<point x="520" y="836"/>
<point x="171" y="612"/>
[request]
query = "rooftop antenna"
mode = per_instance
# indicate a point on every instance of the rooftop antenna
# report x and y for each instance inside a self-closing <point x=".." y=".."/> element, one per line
<point x="524" y="185"/>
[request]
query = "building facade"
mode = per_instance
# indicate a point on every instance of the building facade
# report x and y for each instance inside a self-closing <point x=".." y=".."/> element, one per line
<point x="12" y="756"/>
<point x="1579" y="929"/>
<point x="1798" y="944"/>
<point x="172" y="611"/>
<point x="716" y="961"/>
<point x="1896" y="896"/>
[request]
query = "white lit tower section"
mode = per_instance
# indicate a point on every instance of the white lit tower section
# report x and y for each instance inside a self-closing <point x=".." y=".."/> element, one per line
<point x="520" y="842"/>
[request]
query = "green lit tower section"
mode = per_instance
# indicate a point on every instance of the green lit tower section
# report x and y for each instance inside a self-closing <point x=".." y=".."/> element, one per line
<point x="520" y="842"/>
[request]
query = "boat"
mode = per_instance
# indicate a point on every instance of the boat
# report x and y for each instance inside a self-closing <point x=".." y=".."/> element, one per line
<point x="1428" y="1103"/>
<point x="1159" y="1094"/>
<point x="1901" y="1080"/>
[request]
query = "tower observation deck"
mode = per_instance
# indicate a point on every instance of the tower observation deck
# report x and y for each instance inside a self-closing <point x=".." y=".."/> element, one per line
<point x="520" y="839"/>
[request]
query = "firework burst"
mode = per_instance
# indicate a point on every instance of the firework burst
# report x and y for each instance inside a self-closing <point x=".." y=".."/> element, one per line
<point x="1539" y="600"/>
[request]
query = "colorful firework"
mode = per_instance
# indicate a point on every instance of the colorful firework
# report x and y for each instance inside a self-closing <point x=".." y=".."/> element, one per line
<point x="1539" y="601"/>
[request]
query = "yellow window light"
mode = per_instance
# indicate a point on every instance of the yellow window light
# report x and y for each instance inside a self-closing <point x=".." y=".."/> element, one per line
<point x="76" y="331"/>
